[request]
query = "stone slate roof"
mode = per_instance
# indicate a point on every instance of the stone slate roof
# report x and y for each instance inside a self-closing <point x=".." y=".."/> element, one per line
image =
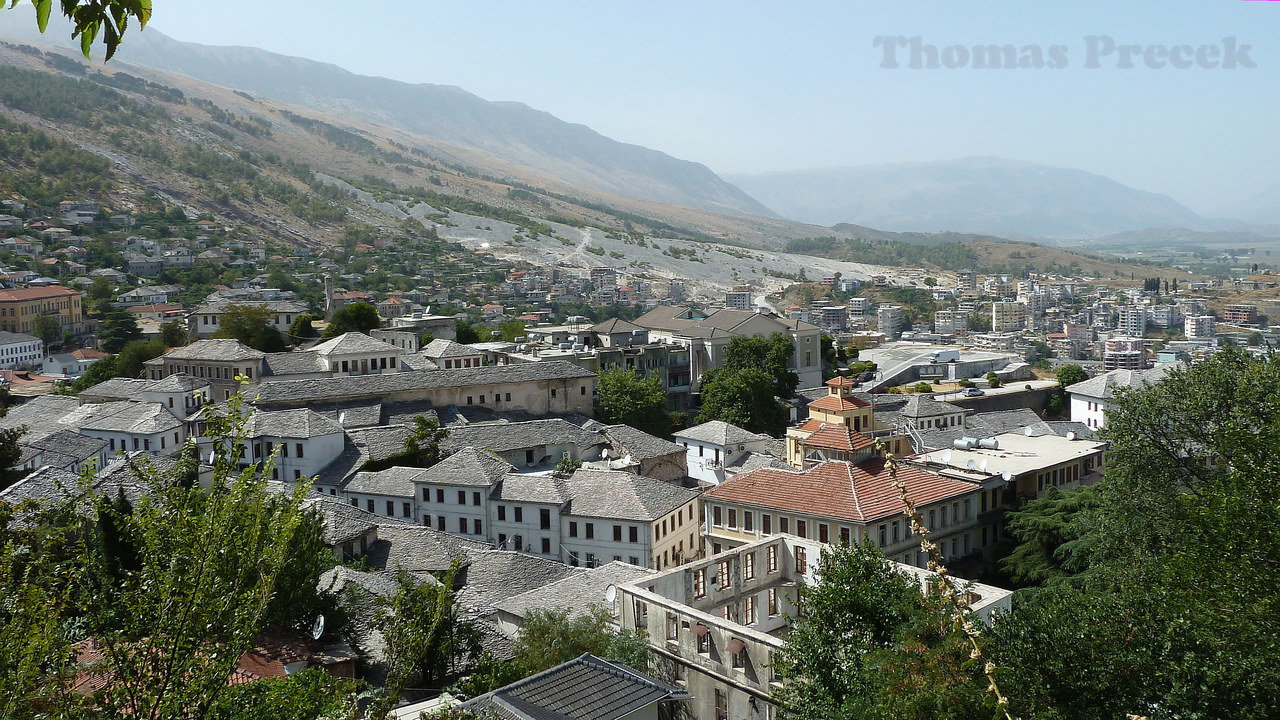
<point x="41" y="415"/>
<point x="988" y="424"/>
<point x="468" y="466"/>
<point x="353" y="343"/>
<point x="343" y="522"/>
<point x="140" y="418"/>
<point x="13" y="338"/>
<point x="718" y="432"/>
<point x="442" y="348"/>
<point x="754" y="461"/>
<point x="379" y="443"/>
<point x="176" y="383"/>
<point x="1104" y="386"/>
<point x="575" y="593"/>
<point x="640" y="445"/>
<point x="622" y="495"/>
<point x="322" y="389"/>
<point x="48" y="485"/>
<point x="416" y="361"/>
<point x="219" y="349"/>
<point x="298" y="362"/>
<point x="61" y="448"/>
<point x="277" y="306"/>
<point x="492" y="576"/>
<point x="504" y="436"/>
<point x="119" y="389"/>
<point x="545" y="489"/>
<point x="297" y="423"/>
<point x="613" y="326"/>
<point x="925" y="406"/>
<point x="392" y="482"/>
<point x="417" y="549"/>
<point x="587" y="688"/>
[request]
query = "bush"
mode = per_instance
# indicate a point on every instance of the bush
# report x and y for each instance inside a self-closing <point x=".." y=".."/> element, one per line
<point x="965" y="383"/>
<point x="922" y="387"/>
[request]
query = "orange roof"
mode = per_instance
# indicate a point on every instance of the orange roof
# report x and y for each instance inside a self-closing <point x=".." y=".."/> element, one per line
<point x="36" y="293"/>
<point x="835" y="402"/>
<point x="859" y="493"/>
<point x="88" y="354"/>
<point x="838" y="437"/>
<point x="841" y="381"/>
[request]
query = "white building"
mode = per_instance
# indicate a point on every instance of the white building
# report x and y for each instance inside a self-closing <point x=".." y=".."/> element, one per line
<point x="891" y="319"/>
<point x="713" y="445"/>
<point x="1008" y="316"/>
<point x="1132" y="320"/>
<point x="1200" y="326"/>
<point x="1091" y="398"/>
<point x="20" y="350"/>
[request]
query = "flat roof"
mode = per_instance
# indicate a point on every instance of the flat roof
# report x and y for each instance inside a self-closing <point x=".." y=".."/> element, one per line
<point x="1018" y="454"/>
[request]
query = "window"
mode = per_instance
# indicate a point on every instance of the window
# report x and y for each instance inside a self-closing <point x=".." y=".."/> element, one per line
<point x="715" y="516"/>
<point x="700" y="583"/>
<point x="633" y="560"/>
<point x="502" y="513"/>
<point x="771" y="559"/>
<point x="591" y="560"/>
<point x="553" y="392"/>
<point x="544" y="519"/>
<point x="766" y="524"/>
<point x="470" y="400"/>
<point x="673" y="627"/>
<point x="462" y="497"/>
<point x="617" y="533"/>
<point x="591" y="530"/>
<point x="733" y="518"/>
<point x="722" y="575"/>
<point x="633" y="534"/>
<point x="546" y="546"/>
<point x="802" y="528"/>
<point x="368" y="505"/>
<point x="802" y="564"/>
<point x="722" y="705"/>
<point x="882" y="542"/>
<point x="440" y="495"/>
<point x="426" y="494"/>
<point x="462" y="525"/>
<point x="479" y="527"/>
<point x="897" y="535"/>
<point x="475" y="498"/>
<point x="519" y="511"/>
<point x="749" y="566"/>
<point x="844" y="535"/>
<point x="773" y="601"/>
<point x="749" y="610"/>
<point x="573" y="529"/>
<point x="822" y="532"/>
<point x="405" y="509"/>
<point x="784" y="524"/>
<point x="748" y="523"/>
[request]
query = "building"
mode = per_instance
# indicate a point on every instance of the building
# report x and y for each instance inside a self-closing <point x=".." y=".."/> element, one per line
<point x="1165" y="316"/>
<point x="71" y="364"/>
<point x="739" y="298"/>
<point x="950" y="322"/>
<point x="1131" y="320"/>
<point x="1008" y="316"/>
<point x="712" y="446"/>
<point x="714" y="625"/>
<point x="19" y="308"/>
<point x="1200" y="326"/>
<point x="19" y="350"/>
<point x="1091" y="398"/>
<point x="206" y="319"/>
<point x="1128" y="353"/>
<point x="891" y="319"/>
<point x="1245" y="315"/>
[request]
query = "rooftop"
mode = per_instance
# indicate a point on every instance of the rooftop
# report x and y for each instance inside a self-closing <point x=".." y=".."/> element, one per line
<point x="322" y="389"/>
<point x="353" y="343"/>
<point x="1104" y="386"/>
<point x="233" y="350"/>
<point x="575" y="593"/>
<point x="718" y="432"/>
<point x="1018" y="454"/>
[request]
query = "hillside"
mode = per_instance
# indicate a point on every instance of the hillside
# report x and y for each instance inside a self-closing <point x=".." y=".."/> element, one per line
<point x="977" y="195"/>
<point x="511" y="132"/>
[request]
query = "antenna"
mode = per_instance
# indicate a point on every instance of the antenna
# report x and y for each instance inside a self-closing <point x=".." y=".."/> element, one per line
<point x="946" y="456"/>
<point x="1027" y="431"/>
<point x="611" y="593"/>
<point x="317" y="628"/>
<point x="1071" y="436"/>
<point x="983" y="465"/>
<point x="972" y="464"/>
<point x="1006" y="476"/>
<point x="342" y="418"/>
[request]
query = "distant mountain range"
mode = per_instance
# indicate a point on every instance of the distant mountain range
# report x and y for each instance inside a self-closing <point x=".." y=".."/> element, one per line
<point x="975" y="195"/>
<point x="510" y="131"/>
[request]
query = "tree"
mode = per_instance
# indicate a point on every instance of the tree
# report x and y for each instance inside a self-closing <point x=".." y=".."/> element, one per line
<point x="100" y="289"/>
<point x="774" y="355"/>
<point x="422" y="448"/>
<point x="89" y="17"/>
<point x="301" y="329"/>
<point x="10" y="454"/>
<point x="174" y="334"/>
<point x="631" y="400"/>
<point x="744" y="398"/>
<point x="993" y="380"/>
<point x="1071" y="374"/>
<point x="251" y="325"/>
<point x="130" y="361"/>
<point x="119" y="327"/>
<point x="48" y="328"/>
<point x="466" y="334"/>
<point x="357" y="317"/>
<point x="511" y="330"/>
<point x="550" y="637"/>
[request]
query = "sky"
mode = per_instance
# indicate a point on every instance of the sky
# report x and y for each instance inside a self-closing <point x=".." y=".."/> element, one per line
<point x="749" y="87"/>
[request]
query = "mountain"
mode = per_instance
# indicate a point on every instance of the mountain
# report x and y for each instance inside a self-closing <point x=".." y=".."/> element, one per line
<point x="977" y="195"/>
<point x="509" y="131"/>
<point x="1262" y="208"/>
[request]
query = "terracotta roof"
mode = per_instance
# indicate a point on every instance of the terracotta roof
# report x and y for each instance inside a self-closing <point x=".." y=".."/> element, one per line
<point x="838" y="437"/>
<point x="841" y="382"/>
<point x="860" y="493"/>
<point x="835" y="402"/>
<point x="36" y="293"/>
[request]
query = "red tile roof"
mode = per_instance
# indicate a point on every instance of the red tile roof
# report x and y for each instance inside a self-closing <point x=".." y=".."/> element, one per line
<point x="838" y="437"/>
<point x="36" y="293"/>
<point x="835" y="402"/>
<point x="840" y="381"/>
<point x="859" y="493"/>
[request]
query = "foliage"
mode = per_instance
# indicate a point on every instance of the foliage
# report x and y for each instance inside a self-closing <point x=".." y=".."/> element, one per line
<point x="174" y="334"/>
<point x="301" y="329"/>
<point x="421" y="447"/>
<point x="1071" y="374"/>
<point x="993" y="380"/>
<point x="774" y="355"/>
<point x="922" y="387"/>
<point x="251" y="325"/>
<point x="631" y="400"/>
<point x="550" y="637"/>
<point x="891" y="252"/>
<point x="129" y="362"/>
<point x="10" y="454"/>
<point x="119" y="327"/>
<point x="48" y="329"/>
<point x="511" y="330"/>
<point x="298" y="599"/>
<point x="91" y="17"/>
<point x="466" y="334"/>
<point x="357" y="317"/>
<point x="307" y="695"/>
<point x="744" y="398"/>
<point x="1050" y="547"/>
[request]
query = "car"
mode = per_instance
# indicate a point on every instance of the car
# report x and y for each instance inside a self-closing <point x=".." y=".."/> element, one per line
<point x="973" y="392"/>
<point x="865" y="376"/>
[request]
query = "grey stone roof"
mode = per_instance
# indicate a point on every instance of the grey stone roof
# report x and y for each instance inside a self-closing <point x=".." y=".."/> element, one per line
<point x="322" y="389"/>
<point x="13" y="338"/>
<point x="585" y="688"/>
<point x="343" y="522"/>
<point x="118" y="389"/>
<point x="41" y="415"/>
<point x="141" y="418"/>
<point x="61" y="448"/>
<point x="638" y="444"/>
<point x="417" y="549"/>
<point x="358" y="416"/>
<point x="176" y="383"/>
<point x="296" y="423"/>
<point x="545" y="489"/>
<point x="393" y="482"/>
<point x="754" y="461"/>
<point x="218" y="350"/>
<point x="380" y="584"/>
<point x="298" y="362"/>
<point x="504" y="436"/>
<point x="575" y="593"/>
<point x="623" y="496"/>
<point x="988" y="424"/>
<point x="48" y="485"/>
<point x="495" y="575"/>
<point x="718" y="432"/>
<point x="379" y="443"/>
<point x="442" y="348"/>
<point x="416" y="361"/>
<point x="925" y="406"/>
<point x="468" y="466"/>
<point x="353" y="343"/>
<point x="1104" y="386"/>
<point x="1082" y="431"/>
<point x="614" y="325"/>
<point x="277" y="306"/>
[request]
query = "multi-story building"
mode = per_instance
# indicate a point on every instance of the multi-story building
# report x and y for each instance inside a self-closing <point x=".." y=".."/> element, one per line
<point x="1246" y="315"/>
<point x="1165" y="316"/>
<point x="206" y="319"/>
<point x="19" y="308"/>
<point x="19" y="350"/>
<point x="738" y="298"/>
<point x="1008" y="316"/>
<point x="714" y="625"/>
<point x="715" y="445"/>
<point x="1122" y="352"/>
<point x="891" y="319"/>
<point x="950" y="322"/>
<point x="966" y="280"/>
<point x="860" y="306"/>
<point x="1131" y="320"/>
<point x="1199" y="326"/>
<point x="1091" y="398"/>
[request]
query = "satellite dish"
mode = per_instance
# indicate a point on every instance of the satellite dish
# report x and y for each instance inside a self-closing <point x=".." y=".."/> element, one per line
<point x="210" y="457"/>
<point x="946" y="456"/>
<point x="1006" y="476"/>
<point x="342" y="418"/>
<point x="1027" y="431"/>
<point x="317" y="628"/>
<point x="611" y="593"/>
<point x="972" y="464"/>
<point x="983" y="466"/>
<point x="1071" y="436"/>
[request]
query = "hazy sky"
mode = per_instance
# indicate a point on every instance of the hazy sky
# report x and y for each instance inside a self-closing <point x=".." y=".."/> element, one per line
<point x="753" y="86"/>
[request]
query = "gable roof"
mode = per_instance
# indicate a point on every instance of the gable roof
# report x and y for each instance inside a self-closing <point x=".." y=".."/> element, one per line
<point x="352" y="343"/>
<point x="440" y="348"/>
<point x="623" y="495"/>
<point x="838" y="437"/>
<point x="924" y="406"/>
<point x="860" y="493"/>
<point x="468" y="466"/>
<point x="586" y="688"/>
<point x="330" y="389"/>
<point x="576" y="593"/>
<point x="506" y="436"/>
<point x="1103" y="386"/>
<point x="614" y="325"/>
<point x="639" y="444"/>
<point x="720" y="433"/>
<point x="216" y="349"/>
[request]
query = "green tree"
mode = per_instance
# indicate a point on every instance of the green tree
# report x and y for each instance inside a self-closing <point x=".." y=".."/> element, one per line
<point x="10" y="454"/>
<point x="119" y="327"/>
<point x="550" y="637"/>
<point x="422" y="448"/>
<point x="993" y="380"/>
<point x="774" y="355"/>
<point x="174" y="334"/>
<point x="129" y="362"/>
<point x="251" y="325"/>
<point x="48" y="328"/>
<point x="1071" y="374"/>
<point x="631" y="400"/>
<point x="301" y="329"/>
<point x="357" y="317"/>
<point x="90" y="17"/>
<point x="744" y="398"/>
<point x="466" y="333"/>
<point x="511" y="330"/>
<point x="100" y="289"/>
<point x="308" y="695"/>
